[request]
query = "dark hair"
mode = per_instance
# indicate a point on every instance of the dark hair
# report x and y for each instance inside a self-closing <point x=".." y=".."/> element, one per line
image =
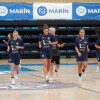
<point x="45" y="27"/>
<point x="11" y="35"/>
<point x="81" y="29"/>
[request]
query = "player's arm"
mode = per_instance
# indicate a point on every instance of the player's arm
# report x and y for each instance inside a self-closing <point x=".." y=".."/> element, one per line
<point x="53" y="43"/>
<point x="98" y="47"/>
<point x="60" y="43"/>
<point x="8" y="48"/>
<point x="76" y="48"/>
<point x="40" y="41"/>
<point x="21" y="45"/>
<point x="5" y="41"/>
<point x="39" y="44"/>
<point x="88" y="48"/>
<point x="53" y="39"/>
<point x="97" y="44"/>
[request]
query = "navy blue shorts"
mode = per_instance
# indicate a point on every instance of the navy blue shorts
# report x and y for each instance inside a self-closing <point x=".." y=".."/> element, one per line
<point x="98" y="56"/>
<point x="84" y="57"/>
<point x="14" y="58"/>
<point x="46" y="53"/>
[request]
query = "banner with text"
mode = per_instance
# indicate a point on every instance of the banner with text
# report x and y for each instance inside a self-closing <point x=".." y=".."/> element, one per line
<point x="52" y="11"/>
<point x="16" y="10"/>
<point x="86" y="10"/>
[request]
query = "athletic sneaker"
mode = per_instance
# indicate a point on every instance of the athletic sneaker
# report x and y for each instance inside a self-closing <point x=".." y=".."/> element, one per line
<point x="80" y="78"/>
<point x="51" y="79"/>
<point x="13" y="81"/>
<point x="97" y="69"/>
<point x="46" y="80"/>
<point x="84" y="74"/>
<point x="17" y="75"/>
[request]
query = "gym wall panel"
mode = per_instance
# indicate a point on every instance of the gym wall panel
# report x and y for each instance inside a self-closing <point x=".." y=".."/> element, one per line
<point x="49" y="0"/>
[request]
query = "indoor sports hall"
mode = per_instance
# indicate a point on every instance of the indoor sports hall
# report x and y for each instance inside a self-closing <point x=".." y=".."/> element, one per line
<point x="49" y="50"/>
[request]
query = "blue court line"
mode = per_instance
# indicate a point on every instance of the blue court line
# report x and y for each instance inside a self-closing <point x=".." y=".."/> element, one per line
<point x="8" y="68"/>
<point x="60" y="64"/>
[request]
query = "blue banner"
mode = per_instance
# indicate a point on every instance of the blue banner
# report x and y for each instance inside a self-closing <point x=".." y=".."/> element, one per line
<point x="86" y="10"/>
<point x="16" y="10"/>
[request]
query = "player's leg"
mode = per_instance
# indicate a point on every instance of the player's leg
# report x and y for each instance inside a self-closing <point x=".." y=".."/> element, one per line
<point x="84" y="62"/>
<point x="84" y="67"/>
<point x="17" y="62"/>
<point x="79" y="69"/>
<point x="12" y="73"/>
<point x="51" y="69"/>
<point x="57" y="61"/>
<point x="45" y="69"/>
<point x="98" y="66"/>
<point x="11" y="61"/>
<point x="48" y="64"/>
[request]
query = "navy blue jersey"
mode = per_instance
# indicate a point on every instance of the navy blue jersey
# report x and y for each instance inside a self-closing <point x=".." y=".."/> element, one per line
<point x="13" y="43"/>
<point x="44" y="40"/>
<point x="81" y="44"/>
<point x="98" y="43"/>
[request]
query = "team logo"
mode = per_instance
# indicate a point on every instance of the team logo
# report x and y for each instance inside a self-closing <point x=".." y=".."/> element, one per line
<point x="36" y="86"/>
<point x="3" y="11"/>
<point x="85" y="42"/>
<point x="42" y="10"/>
<point x="17" y="43"/>
<point x="48" y="38"/>
<point x="42" y="55"/>
<point x="81" y="11"/>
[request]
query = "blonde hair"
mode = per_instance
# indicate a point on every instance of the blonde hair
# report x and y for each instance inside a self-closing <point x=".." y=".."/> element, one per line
<point x="15" y="31"/>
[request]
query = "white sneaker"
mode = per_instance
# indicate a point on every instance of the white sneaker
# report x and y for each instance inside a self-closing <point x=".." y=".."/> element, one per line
<point x="46" y="79"/>
<point x="84" y="74"/>
<point x="13" y="81"/>
<point x="17" y="75"/>
<point x="80" y="78"/>
<point x="97" y="69"/>
<point x="51" y="79"/>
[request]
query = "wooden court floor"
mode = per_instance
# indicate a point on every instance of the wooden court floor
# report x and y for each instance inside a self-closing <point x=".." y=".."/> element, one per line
<point x="69" y="87"/>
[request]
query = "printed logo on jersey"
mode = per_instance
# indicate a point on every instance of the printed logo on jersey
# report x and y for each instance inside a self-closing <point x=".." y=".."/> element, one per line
<point x="85" y="42"/>
<point x="17" y="43"/>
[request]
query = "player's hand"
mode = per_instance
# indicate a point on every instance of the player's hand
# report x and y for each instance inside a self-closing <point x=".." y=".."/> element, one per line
<point x="88" y="50"/>
<point x="58" y="45"/>
<point x="79" y="54"/>
<point x="40" y="46"/>
<point x="62" y="45"/>
<point x="18" y="47"/>
<point x="8" y="49"/>
<point x="4" y="41"/>
<point x="49" y="42"/>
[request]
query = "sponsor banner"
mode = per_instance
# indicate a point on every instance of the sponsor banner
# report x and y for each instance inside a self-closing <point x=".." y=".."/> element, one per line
<point x="16" y="10"/>
<point x="52" y="11"/>
<point x="86" y="10"/>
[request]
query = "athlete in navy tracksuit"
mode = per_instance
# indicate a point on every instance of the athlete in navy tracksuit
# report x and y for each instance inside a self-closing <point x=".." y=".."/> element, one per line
<point x="46" y="41"/>
<point x="97" y="45"/>
<point x="81" y="47"/>
<point x="14" y="49"/>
